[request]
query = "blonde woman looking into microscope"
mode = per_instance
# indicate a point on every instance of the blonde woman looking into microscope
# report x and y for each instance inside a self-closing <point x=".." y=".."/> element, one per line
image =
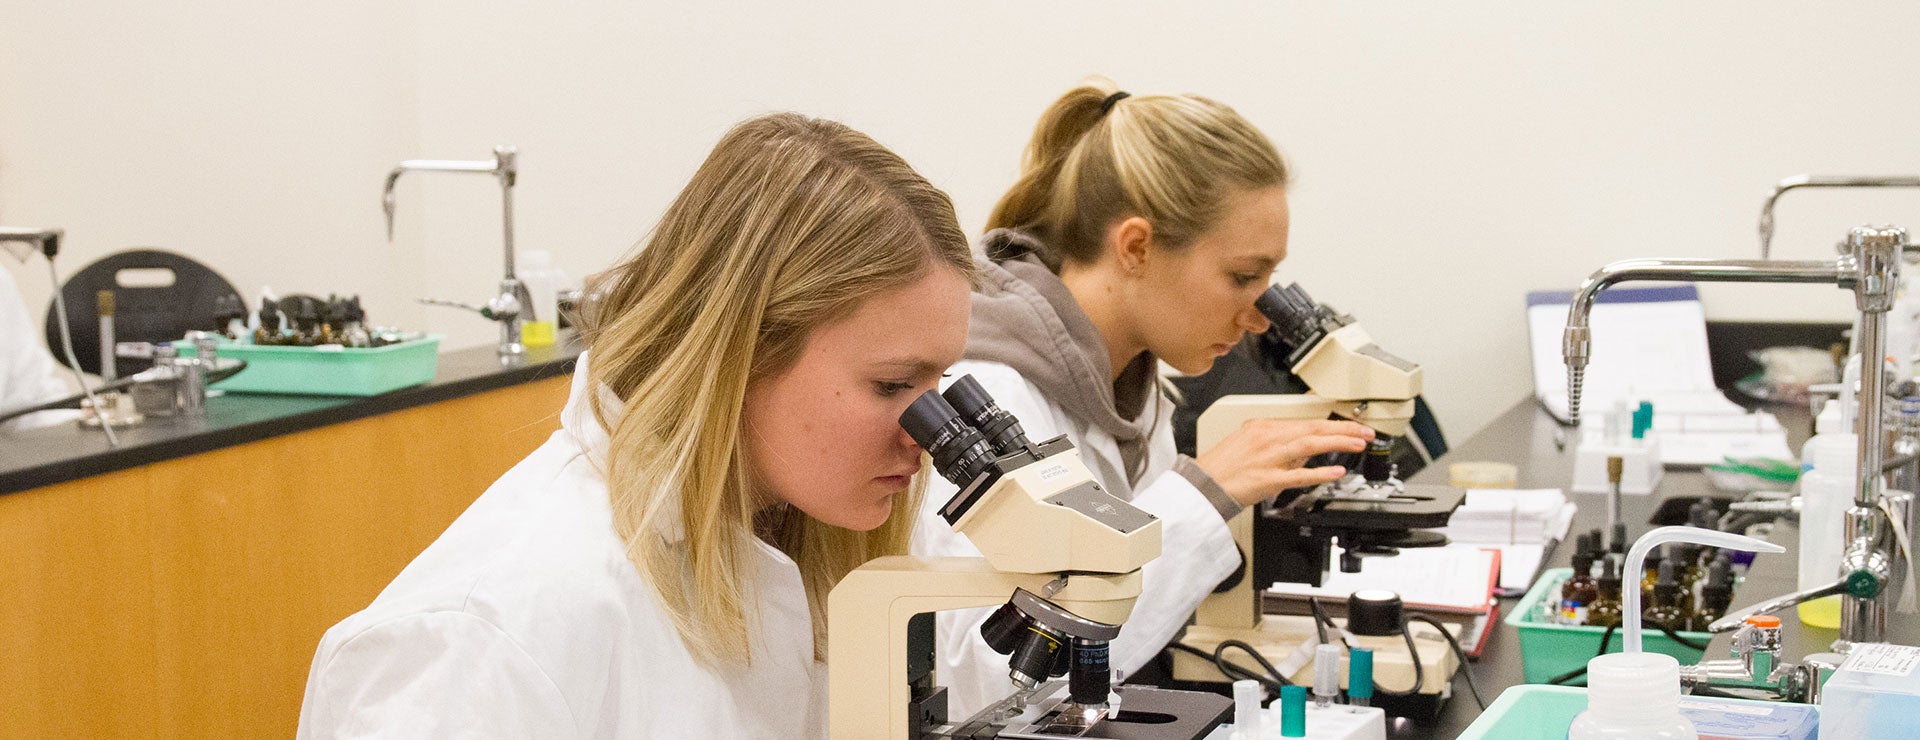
<point x="1141" y="230"/>
<point x="660" y="567"/>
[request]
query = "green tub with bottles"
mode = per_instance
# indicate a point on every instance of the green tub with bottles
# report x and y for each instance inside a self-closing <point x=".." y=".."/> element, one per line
<point x="1548" y="650"/>
<point x="332" y="370"/>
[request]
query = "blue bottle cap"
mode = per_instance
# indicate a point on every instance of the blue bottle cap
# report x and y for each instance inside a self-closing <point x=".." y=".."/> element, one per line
<point x="1360" y="673"/>
<point x="1293" y="711"/>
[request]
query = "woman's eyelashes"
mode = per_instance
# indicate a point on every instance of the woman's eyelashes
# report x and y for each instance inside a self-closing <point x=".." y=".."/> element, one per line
<point x="891" y="388"/>
<point x="1243" y="279"/>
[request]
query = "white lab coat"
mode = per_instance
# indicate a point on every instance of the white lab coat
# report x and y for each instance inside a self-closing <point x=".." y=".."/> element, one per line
<point x="1197" y="549"/>
<point x="27" y="373"/>
<point x="525" y="619"/>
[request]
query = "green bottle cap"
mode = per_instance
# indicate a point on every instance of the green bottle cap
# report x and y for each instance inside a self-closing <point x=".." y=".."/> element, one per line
<point x="1293" y="711"/>
<point x="1360" y="673"/>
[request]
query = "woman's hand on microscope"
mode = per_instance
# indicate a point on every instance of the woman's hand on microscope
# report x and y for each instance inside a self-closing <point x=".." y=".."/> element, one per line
<point x="1266" y="456"/>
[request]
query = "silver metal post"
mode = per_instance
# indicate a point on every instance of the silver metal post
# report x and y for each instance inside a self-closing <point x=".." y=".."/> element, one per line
<point x="506" y="307"/>
<point x="1819" y="181"/>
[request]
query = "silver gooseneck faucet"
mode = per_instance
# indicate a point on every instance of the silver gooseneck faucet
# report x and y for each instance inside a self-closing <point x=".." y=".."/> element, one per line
<point x="1820" y="181"/>
<point x="509" y="306"/>
<point x="1869" y="265"/>
<point x="47" y="243"/>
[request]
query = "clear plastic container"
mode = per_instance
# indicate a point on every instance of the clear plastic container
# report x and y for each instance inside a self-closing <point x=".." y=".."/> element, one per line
<point x="1828" y="460"/>
<point x="1632" y="695"/>
<point x="1874" y="695"/>
<point x="543" y="281"/>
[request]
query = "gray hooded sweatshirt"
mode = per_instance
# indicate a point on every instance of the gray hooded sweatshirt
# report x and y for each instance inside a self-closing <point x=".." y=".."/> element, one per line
<point x="1024" y="318"/>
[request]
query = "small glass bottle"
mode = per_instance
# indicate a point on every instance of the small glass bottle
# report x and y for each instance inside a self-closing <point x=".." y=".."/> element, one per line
<point x="268" y="333"/>
<point x="1652" y="573"/>
<point x="1716" y="595"/>
<point x="1580" y="590"/>
<point x="1668" y="608"/>
<point x="1605" y="609"/>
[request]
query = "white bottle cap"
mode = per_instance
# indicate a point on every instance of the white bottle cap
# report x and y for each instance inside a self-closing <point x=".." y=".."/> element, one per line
<point x="1326" y="670"/>
<point x="1248" y="718"/>
<point x="1627" y="685"/>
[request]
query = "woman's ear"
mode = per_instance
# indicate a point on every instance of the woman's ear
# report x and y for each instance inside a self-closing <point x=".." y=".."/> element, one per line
<point x="1129" y="241"/>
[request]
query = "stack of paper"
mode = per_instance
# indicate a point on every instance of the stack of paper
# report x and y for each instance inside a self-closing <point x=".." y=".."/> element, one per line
<point x="1510" y="517"/>
<point x="1521" y="523"/>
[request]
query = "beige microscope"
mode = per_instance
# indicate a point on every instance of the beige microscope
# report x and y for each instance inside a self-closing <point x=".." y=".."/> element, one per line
<point x="1066" y="551"/>
<point x="1371" y="513"/>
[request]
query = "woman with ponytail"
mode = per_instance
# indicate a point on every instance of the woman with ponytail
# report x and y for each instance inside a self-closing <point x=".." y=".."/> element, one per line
<point x="1141" y="230"/>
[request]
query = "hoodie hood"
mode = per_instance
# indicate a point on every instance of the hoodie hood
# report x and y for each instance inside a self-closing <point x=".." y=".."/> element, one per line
<point x="1025" y="318"/>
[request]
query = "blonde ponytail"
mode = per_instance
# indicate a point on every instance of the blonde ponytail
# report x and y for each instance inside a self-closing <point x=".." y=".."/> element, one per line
<point x="1172" y="159"/>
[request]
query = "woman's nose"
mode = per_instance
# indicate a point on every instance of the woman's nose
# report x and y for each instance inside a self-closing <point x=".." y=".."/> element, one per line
<point x="1253" y="321"/>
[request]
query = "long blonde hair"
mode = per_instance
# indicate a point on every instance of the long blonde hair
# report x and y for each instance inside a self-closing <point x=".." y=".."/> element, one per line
<point x="1093" y="160"/>
<point x="789" y="224"/>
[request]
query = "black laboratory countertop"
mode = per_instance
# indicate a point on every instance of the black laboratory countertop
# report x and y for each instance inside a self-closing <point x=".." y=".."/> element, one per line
<point x="41" y="457"/>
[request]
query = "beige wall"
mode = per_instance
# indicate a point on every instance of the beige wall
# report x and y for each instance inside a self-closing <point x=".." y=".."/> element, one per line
<point x="1450" y="156"/>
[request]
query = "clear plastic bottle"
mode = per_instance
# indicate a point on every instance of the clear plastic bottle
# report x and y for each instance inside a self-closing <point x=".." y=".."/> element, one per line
<point x="1632" y="695"/>
<point x="543" y="281"/>
<point x="1828" y="463"/>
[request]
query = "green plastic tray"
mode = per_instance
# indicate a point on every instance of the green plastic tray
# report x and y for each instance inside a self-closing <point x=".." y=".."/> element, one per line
<point x="345" y="371"/>
<point x="1546" y="712"/>
<point x="1548" y="650"/>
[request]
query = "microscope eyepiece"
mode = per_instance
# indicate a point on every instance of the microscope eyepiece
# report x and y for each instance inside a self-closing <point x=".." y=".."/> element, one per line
<point x="978" y="408"/>
<point x="1298" y="321"/>
<point x="1289" y="308"/>
<point x="958" y="451"/>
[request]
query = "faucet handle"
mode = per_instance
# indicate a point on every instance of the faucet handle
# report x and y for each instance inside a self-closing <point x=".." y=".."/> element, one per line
<point x="485" y="311"/>
<point x="1861" y="584"/>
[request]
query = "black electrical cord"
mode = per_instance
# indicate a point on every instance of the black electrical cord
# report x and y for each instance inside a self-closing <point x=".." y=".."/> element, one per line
<point x="1322" y="623"/>
<point x="1219" y="657"/>
<point x="1419" y="671"/>
<point x="1605" y="637"/>
<point x="1458" y="652"/>
<point x="74" y="400"/>
<point x="1230" y="670"/>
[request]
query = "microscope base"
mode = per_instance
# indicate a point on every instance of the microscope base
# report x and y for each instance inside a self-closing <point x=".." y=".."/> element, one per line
<point x="1279" y="637"/>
